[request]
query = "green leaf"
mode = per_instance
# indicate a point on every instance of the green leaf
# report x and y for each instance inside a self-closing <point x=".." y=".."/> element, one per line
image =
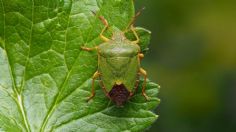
<point x="45" y="78"/>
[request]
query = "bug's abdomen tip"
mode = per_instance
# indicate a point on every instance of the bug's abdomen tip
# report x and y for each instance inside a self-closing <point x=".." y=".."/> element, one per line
<point x="119" y="94"/>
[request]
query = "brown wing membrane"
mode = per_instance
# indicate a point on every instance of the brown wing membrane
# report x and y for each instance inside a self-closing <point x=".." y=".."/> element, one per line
<point x="119" y="94"/>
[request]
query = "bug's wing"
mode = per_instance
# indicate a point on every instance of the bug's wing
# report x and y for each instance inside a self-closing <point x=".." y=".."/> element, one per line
<point x="130" y="76"/>
<point x="108" y="76"/>
<point x="118" y="69"/>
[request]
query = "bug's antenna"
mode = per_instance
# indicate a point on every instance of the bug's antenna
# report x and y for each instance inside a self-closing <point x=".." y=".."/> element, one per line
<point x="135" y="17"/>
<point x="104" y="21"/>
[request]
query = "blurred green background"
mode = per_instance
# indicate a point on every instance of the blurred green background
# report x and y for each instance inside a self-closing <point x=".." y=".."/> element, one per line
<point x="193" y="57"/>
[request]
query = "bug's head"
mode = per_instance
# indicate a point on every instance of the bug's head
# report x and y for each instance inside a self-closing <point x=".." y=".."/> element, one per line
<point x="118" y="35"/>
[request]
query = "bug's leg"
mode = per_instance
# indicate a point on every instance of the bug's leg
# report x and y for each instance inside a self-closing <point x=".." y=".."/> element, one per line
<point x="88" y="49"/>
<point x="144" y="73"/>
<point x="95" y="75"/>
<point x="135" y="88"/>
<point x="104" y="21"/>
<point x="104" y="90"/>
<point x="135" y="34"/>
<point x="141" y="56"/>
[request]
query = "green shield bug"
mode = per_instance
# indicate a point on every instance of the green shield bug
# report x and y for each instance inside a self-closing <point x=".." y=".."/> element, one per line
<point x="118" y="65"/>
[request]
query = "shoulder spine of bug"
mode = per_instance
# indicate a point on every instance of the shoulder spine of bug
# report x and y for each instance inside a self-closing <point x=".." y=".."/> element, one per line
<point x="116" y="84"/>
